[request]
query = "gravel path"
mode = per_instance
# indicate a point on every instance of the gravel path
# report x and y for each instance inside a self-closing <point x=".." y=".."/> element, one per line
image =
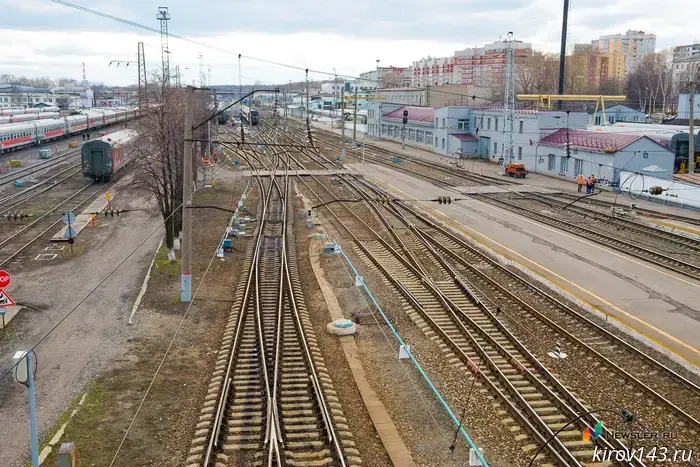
<point x="89" y="340"/>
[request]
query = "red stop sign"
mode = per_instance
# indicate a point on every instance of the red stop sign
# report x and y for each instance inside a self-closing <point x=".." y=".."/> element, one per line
<point x="4" y="279"/>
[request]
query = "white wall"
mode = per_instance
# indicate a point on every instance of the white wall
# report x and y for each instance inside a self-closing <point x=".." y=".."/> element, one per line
<point x="684" y="106"/>
<point x="678" y="194"/>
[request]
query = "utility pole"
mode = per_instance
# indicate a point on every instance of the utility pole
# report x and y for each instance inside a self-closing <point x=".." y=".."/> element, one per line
<point x="307" y="99"/>
<point x="335" y="103"/>
<point x="143" y="95"/>
<point x="568" y="144"/>
<point x="240" y="85"/>
<point x="509" y="99"/>
<point x="562" y="53"/>
<point x="342" y="122"/>
<point x="354" y="122"/>
<point x="186" y="269"/>
<point x="691" y="125"/>
<point x="379" y="104"/>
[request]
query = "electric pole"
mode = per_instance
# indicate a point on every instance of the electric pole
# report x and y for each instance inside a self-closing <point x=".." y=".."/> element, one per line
<point x="164" y="17"/>
<point x="562" y="54"/>
<point x="379" y="104"/>
<point x="335" y="103"/>
<point x="691" y="125"/>
<point x="342" y="122"/>
<point x="509" y="99"/>
<point x="185" y="271"/>
<point x="307" y="99"/>
<point x="354" y="122"/>
<point x="142" y="76"/>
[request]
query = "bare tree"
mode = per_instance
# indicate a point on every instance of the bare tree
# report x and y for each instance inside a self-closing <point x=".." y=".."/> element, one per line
<point x="664" y="70"/>
<point x="160" y="151"/>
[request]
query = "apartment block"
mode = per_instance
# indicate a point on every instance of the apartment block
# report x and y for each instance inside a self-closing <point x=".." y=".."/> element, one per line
<point x="686" y="58"/>
<point x="634" y="45"/>
<point x="432" y="71"/>
<point x="485" y="66"/>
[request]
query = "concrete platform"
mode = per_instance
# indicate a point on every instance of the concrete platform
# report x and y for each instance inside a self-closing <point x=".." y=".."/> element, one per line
<point x="654" y="304"/>
<point x="81" y="220"/>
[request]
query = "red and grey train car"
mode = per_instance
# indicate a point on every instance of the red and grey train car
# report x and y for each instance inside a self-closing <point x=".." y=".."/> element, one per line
<point x="15" y="136"/>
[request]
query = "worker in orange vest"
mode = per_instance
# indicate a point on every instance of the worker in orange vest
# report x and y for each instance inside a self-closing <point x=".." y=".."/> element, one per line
<point x="579" y="180"/>
<point x="589" y="185"/>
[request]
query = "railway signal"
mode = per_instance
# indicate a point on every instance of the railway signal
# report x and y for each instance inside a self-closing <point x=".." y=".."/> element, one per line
<point x="444" y="200"/>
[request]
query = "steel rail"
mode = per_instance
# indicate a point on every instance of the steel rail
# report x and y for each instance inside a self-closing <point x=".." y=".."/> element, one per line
<point x="525" y="421"/>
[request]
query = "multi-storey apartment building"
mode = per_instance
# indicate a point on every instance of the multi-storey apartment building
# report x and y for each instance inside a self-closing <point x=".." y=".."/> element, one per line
<point x="634" y="45"/>
<point x="686" y="58"/>
<point x="485" y="66"/>
<point x="432" y="71"/>
<point x="392" y="76"/>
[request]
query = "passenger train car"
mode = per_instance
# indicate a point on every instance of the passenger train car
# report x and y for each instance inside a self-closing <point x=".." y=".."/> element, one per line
<point x="20" y="135"/>
<point x="251" y="116"/>
<point x="28" y="117"/>
<point x="31" y="110"/>
<point x="103" y="158"/>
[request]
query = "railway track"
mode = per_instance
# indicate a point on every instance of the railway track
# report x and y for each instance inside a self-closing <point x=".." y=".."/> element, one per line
<point x="17" y="242"/>
<point x="620" y="223"/>
<point x="470" y="325"/>
<point x="41" y="166"/>
<point x="650" y="213"/>
<point x="638" y="251"/>
<point x="271" y="401"/>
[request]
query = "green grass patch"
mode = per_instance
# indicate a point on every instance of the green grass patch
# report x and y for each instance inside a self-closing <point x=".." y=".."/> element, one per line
<point x="81" y="428"/>
<point x="162" y="266"/>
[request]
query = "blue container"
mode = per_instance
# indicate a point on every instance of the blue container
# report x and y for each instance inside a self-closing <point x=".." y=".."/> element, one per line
<point x="18" y="183"/>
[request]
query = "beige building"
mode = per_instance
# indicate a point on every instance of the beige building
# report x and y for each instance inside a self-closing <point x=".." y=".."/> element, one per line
<point x="634" y="45"/>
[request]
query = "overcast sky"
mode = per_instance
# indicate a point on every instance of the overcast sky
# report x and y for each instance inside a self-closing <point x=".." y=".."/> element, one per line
<point x="41" y="38"/>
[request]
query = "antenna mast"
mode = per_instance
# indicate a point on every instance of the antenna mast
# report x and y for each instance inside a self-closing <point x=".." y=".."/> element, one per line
<point x="164" y="17"/>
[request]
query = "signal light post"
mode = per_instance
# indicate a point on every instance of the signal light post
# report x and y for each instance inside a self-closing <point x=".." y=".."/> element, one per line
<point x="403" y="129"/>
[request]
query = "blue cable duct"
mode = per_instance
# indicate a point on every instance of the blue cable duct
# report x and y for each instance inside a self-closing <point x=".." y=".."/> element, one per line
<point x="454" y="418"/>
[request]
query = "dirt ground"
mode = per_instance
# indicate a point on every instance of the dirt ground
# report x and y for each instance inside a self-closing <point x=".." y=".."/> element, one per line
<point x="97" y="352"/>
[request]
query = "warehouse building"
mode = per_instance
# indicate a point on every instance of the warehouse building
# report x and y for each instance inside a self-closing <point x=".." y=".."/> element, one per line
<point x="603" y="155"/>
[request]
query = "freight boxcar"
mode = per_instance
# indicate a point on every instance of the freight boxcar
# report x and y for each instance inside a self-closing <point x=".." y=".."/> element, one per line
<point x="103" y="158"/>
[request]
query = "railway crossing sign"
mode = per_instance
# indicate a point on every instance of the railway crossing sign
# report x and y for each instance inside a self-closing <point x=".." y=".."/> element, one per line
<point x="5" y="279"/>
<point x="5" y="299"/>
<point x="108" y="196"/>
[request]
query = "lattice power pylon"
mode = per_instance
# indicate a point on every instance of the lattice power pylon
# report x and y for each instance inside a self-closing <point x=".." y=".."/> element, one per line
<point x="509" y="99"/>
<point x="142" y="75"/>
<point x="202" y="76"/>
<point x="177" y="76"/>
<point x="164" y="17"/>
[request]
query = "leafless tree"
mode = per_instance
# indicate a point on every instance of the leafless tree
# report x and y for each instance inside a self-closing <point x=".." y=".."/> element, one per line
<point x="159" y="152"/>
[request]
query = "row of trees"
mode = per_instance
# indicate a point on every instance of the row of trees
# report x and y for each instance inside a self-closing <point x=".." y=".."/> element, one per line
<point x="650" y="87"/>
<point x="43" y="82"/>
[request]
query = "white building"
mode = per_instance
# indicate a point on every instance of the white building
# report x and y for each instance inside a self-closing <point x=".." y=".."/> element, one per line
<point x="684" y="106"/>
<point x="432" y="71"/>
<point x="635" y="45"/>
<point x="529" y="127"/>
<point x="603" y="155"/>
<point x="26" y="96"/>
<point x="686" y="59"/>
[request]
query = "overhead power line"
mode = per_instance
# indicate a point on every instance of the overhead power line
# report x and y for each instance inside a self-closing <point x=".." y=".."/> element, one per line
<point x="202" y="44"/>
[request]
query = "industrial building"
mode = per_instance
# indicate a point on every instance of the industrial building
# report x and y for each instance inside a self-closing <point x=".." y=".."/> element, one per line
<point x="14" y="95"/>
<point x="618" y="113"/>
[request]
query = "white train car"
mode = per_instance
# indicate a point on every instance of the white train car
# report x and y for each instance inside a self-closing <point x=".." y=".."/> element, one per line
<point x="31" y="110"/>
<point x="28" y="117"/>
